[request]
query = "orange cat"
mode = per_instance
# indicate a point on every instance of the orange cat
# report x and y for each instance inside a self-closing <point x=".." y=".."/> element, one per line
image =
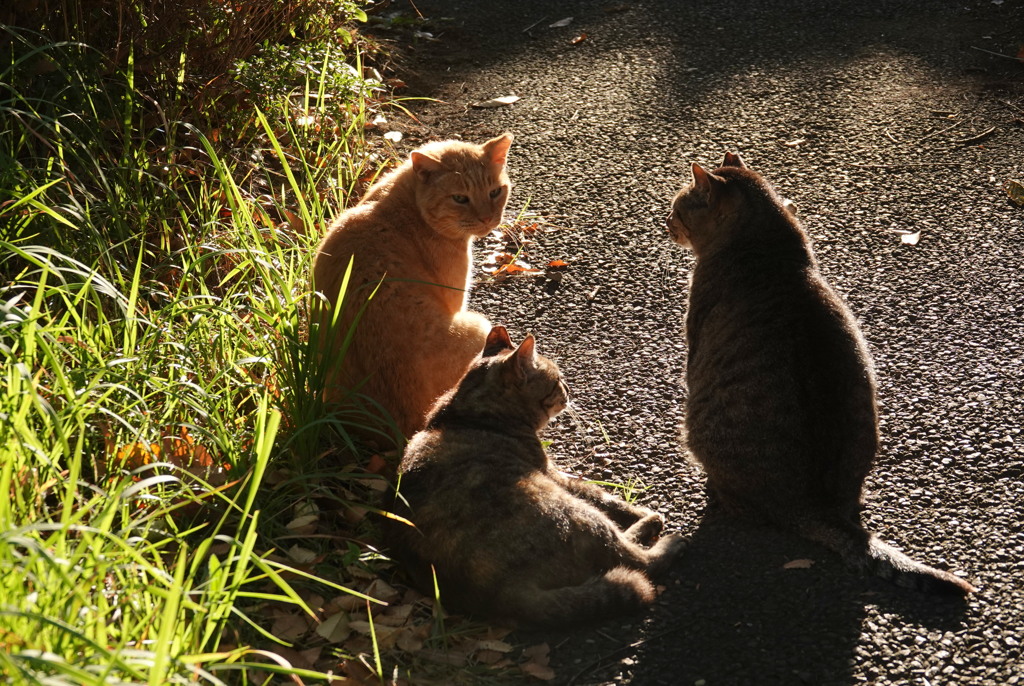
<point x="414" y="229"/>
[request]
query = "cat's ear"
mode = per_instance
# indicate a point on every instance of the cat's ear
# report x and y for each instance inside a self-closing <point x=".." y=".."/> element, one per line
<point x="732" y="159"/>
<point x="496" y="149"/>
<point x="523" y="359"/>
<point x="705" y="182"/>
<point x="701" y="179"/>
<point x="424" y="165"/>
<point x="497" y="341"/>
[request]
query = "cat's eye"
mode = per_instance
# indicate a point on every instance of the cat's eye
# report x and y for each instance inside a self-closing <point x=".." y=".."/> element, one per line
<point x="496" y="192"/>
<point x="461" y="199"/>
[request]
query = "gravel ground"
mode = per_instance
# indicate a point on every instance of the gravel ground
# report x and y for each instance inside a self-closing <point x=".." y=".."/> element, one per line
<point x="876" y="118"/>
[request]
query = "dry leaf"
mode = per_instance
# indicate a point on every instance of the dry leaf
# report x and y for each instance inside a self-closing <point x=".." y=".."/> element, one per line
<point x="537" y="653"/>
<point x="306" y="524"/>
<point x="497" y="102"/>
<point x="538" y="671"/>
<point x="557" y="264"/>
<point x="411" y="640"/>
<point x="488" y="657"/>
<point x="802" y="563"/>
<point x="290" y="627"/>
<point x="382" y="590"/>
<point x="795" y="142"/>
<point x="1015" y="189"/>
<point x="396" y="615"/>
<point x="560" y="23"/>
<point x="301" y="555"/>
<point x="335" y="628"/>
<point x="578" y="39"/>
<point x="911" y="238"/>
<point x="498" y="646"/>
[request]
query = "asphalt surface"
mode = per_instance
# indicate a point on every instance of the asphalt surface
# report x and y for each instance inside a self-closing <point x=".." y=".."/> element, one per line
<point x="876" y="118"/>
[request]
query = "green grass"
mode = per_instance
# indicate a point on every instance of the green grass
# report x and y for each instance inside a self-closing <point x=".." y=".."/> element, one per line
<point x="158" y="371"/>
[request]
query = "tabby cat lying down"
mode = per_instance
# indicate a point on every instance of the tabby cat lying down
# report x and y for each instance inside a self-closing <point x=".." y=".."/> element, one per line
<point x="510" y="537"/>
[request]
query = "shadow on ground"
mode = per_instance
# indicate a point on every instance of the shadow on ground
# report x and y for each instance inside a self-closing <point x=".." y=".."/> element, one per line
<point x="732" y="609"/>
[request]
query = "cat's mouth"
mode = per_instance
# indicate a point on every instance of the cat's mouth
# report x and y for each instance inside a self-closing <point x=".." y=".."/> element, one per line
<point x="677" y="231"/>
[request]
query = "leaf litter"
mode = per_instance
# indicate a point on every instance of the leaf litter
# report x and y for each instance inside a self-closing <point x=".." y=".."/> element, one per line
<point x="416" y="641"/>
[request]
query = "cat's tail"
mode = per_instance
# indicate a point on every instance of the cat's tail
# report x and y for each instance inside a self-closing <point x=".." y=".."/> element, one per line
<point x="620" y="590"/>
<point x="868" y="554"/>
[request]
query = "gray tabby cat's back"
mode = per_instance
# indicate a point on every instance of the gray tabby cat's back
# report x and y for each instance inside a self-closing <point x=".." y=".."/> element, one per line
<point x="781" y="410"/>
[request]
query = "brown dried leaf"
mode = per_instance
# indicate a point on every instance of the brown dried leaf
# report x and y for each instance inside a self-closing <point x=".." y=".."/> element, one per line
<point x="488" y="657"/>
<point x="802" y="563"/>
<point x="335" y="628"/>
<point x="290" y="627"/>
<point x="306" y="524"/>
<point x="538" y="671"/>
<point x="396" y="615"/>
<point x="301" y="555"/>
<point x="538" y="653"/>
<point x="1015" y="189"/>
<point x="382" y="590"/>
<point x="495" y="645"/>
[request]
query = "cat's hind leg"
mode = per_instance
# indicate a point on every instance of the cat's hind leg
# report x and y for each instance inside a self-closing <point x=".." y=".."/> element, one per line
<point x="621" y="512"/>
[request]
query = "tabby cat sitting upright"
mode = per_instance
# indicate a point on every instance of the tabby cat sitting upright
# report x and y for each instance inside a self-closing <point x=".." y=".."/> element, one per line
<point x="510" y="537"/>
<point x="414" y="229"/>
<point x="781" y="411"/>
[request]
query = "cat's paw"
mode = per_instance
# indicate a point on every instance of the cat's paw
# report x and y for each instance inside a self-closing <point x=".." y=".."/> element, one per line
<point x="665" y="551"/>
<point x="646" y="530"/>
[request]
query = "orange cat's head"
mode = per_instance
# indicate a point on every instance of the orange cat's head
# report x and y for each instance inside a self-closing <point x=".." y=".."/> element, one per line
<point x="462" y="187"/>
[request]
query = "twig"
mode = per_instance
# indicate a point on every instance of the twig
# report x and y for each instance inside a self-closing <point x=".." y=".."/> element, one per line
<point x="534" y="23"/>
<point x="604" y="658"/>
<point x="1012" y="106"/>
<point x="936" y="133"/>
<point x="978" y="138"/>
<point x="907" y="164"/>
<point x="997" y="54"/>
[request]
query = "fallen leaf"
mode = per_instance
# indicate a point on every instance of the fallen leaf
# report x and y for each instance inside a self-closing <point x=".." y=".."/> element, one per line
<point x="335" y="628"/>
<point x="558" y="264"/>
<point x="537" y="653"/>
<point x="396" y="615"/>
<point x="495" y="645"/>
<point x="306" y="524"/>
<point x="301" y="555"/>
<point x="290" y="627"/>
<point x="385" y="636"/>
<point x="501" y="101"/>
<point x="802" y="563"/>
<point x="411" y="640"/>
<point x="1015" y="189"/>
<point x="538" y="671"/>
<point x="488" y="657"/>
<point x="578" y="39"/>
<point x="518" y="268"/>
<point x="911" y="238"/>
<point x="560" y="23"/>
<point x="795" y="142"/>
<point x="382" y="590"/>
